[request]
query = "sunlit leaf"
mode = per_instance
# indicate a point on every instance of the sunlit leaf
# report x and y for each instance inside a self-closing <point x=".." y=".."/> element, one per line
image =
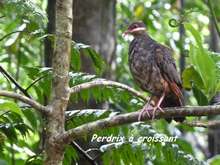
<point x="189" y="76"/>
<point x="10" y="106"/>
<point x="195" y="34"/>
<point x="200" y="96"/>
<point x="75" y="60"/>
<point x="70" y="155"/>
<point x="215" y="160"/>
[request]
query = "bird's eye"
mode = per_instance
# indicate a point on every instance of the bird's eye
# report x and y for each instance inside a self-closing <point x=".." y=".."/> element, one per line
<point x="135" y="25"/>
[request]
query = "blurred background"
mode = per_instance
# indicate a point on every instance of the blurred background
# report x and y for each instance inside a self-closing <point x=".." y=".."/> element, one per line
<point x="190" y="28"/>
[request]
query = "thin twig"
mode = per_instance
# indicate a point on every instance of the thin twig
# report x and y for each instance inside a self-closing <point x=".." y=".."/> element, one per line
<point x="3" y="71"/>
<point x="103" y="82"/>
<point x="26" y="100"/>
<point x="7" y="35"/>
<point x="35" y="81"/>
<point x="206" y="124"/>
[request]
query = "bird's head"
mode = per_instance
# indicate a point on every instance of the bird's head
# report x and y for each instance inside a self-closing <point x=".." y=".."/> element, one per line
<point x="135" y="28"/>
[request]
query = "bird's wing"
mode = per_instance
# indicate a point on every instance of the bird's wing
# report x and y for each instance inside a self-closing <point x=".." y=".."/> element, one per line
<point x="164" y="60"/>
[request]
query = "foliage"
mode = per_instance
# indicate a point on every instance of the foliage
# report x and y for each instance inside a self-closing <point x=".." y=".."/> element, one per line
<point x="82" y="49"/>
<point x="138" y="152"/>
<point x="202" y="76"/>
<point x="21" y="53"/>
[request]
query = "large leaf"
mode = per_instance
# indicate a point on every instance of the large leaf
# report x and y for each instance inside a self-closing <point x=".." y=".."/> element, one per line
<point x="203" y="62"/>
<point x="70" y="155"/>
<point x="200" y="96"/>
<point x="215" y="160"/>
<point x="75" y="60"/>
<point x="97" y="59"/>
<point x="36" y="72"/>
<point x="9" y="131"/>
<point x="10" y="106"/>
<point x="189" y="76"/>
<point x="195" y="34"/>
<point x="31" y="117"/>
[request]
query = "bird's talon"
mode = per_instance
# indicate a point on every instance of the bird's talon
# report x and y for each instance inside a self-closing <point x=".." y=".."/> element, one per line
<point x="161" y="110"/>
<point x="153" y="114"/>
<point x="144" y="110"/>
<point x="148" y="114"/>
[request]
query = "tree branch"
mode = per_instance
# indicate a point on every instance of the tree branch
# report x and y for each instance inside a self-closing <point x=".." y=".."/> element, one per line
<point x="7" y="35"/>
<point x="206" y="124"/>
<point x="103" y="82"/>
<point x="54" y="152"/>
<point x="35" y="81"/>
<point x="26" y="100"/>
<point x="7" y="75"/>
<point x="91" y="127"/>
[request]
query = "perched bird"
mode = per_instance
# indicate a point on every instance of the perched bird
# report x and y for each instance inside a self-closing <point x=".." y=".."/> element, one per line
<point x="154" y="70"/>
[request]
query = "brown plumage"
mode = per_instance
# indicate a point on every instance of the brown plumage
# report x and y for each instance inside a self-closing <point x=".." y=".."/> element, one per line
<point x="154" y="69"/>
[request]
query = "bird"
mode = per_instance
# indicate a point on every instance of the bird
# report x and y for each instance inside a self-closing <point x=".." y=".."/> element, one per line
<point x="154" y="70"/>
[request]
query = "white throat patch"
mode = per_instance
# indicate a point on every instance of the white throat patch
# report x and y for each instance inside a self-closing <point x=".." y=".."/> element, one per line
<point x="138" y="29"/>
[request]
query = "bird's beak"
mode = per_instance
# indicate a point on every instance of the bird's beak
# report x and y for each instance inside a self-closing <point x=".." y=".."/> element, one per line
<point x="133" y="30"/>
<point x="126" y="33"/>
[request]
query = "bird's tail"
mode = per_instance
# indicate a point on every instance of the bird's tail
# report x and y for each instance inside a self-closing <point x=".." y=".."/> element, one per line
<point x="175" y="99"/>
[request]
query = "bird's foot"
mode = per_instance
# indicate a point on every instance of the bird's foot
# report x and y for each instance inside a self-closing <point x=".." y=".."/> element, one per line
<point x="144" y="110"/>
<point x="155" y="109"/>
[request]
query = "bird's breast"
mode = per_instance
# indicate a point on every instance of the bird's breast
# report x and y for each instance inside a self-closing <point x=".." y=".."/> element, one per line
<point x="144" y="68"/>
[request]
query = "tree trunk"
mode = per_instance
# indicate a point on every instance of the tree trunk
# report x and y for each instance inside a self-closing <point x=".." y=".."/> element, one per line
<point x="48" y="43"/>
<point x="48" y="54"/>
<point x="94" y="24"/>
<point x="182" y="36"/>
<point x="214" y="133"/>
<point x="60" y="87"/>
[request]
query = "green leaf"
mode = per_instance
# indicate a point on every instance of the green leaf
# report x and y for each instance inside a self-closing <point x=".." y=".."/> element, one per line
<point x="22" y="128"/>
<point x="126" y="10"/>
<point x="75" y="60"/>
<point x="215" y="160"/>
<point x="195" y="34"/>
<point x="200" y="96"/>
<point x="10" y="106"/>
<point x="36" y="72"/>
<point x="203" y="62"/>
<point x="27" y="9"/>
<point x="218" y="86"/>
<point x="97" y="60"/>
<point x="9" y="131"/>
<point x="189" y="76"/>
<point x="206" y="68"/>
<point x="80" y="77"/>
<point x="70" y="155"/>
<point x="31" y="117"/>
<point x="184" y="145"/>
